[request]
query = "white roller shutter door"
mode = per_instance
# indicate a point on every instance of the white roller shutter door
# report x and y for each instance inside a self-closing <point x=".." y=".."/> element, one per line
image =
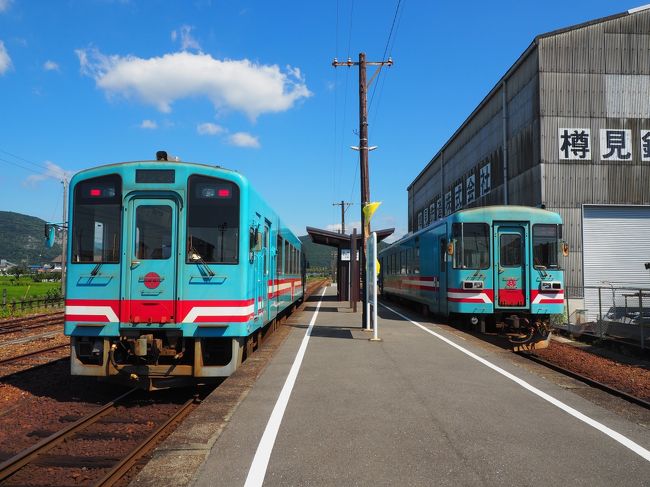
<point x="615" y="244"/>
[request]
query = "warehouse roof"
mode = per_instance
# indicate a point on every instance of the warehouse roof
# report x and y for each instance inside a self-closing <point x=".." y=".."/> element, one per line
<point x="512" y="68"/>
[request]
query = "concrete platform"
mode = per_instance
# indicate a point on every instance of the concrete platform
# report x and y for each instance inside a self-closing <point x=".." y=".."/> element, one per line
<point x="425" y="406"/>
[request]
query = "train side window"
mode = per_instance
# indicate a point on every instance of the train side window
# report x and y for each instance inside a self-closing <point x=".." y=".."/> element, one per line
<point x="443" y="254"/>
<point x="416" y="258"/>
<point x="402" y="262"/>
<point x="213" y="220"/>
<point x="97" y="220"/>
<point x="286" y="257"/>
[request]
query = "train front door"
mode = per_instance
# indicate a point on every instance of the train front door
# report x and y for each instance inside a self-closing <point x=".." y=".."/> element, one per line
<point x="510" y="264"/>
<point x="151" y="263"/>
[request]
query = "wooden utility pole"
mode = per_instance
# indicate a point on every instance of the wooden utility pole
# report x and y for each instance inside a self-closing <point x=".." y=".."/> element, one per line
<point x="344" y="206"/>
<point x="363" y="153"/>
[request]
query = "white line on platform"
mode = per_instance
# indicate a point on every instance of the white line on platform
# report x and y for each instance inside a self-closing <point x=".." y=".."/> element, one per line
<point x="623" y="440"/>
<point x="260" y="463"/>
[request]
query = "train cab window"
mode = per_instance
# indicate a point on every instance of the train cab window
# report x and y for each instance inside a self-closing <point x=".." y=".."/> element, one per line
<point x="213" y="220"/>
<point x="153" y="232"/>
<point x="510" y="250"/>
<point x="546" y="246"/>
<point x="471" y="246"/>
<point x="97" y="220"/>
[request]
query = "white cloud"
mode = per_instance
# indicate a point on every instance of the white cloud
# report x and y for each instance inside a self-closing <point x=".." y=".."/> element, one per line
<point x="149" y="124"/>
<point x="52" y="171"/>
<point x="5" y="60"/>
<point x="4" y="5"/>
<point x="50" y="66"/>
<point x="187" y="41"/>
<point x="208" y="128"/>
<point x="241" y="85"/>
<point x="243" y="139"/>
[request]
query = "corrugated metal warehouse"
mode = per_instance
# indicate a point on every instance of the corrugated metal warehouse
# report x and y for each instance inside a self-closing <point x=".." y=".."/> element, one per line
<point x="567" y="128"/>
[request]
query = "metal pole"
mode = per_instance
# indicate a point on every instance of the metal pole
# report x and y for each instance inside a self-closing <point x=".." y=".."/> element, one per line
<point x="641" y="317"/>
<point x="373" y="266"/>
<point x="354" y="275"/>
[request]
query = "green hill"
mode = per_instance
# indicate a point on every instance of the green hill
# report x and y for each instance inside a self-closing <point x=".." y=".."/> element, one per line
<point x="22" y="240"/>
<point x="318" y="256"/>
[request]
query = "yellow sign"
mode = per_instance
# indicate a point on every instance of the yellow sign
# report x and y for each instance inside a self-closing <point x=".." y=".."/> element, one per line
<point x="370" y="208"/>
<point x="378" y="266"/>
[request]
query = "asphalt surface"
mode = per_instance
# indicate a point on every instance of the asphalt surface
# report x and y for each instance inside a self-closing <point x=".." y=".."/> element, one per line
<point x="414" y="410"/>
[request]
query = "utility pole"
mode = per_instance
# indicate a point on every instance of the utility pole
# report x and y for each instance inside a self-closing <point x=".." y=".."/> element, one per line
<point x="344" y="206"/>
<point x="363" y="153"/>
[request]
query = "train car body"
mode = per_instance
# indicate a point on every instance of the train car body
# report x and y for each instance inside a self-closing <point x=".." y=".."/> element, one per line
<point x="494" y="266"/>
<point x="173" y="269"/>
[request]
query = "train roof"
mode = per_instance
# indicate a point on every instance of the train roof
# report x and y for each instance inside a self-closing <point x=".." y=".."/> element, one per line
<point x="206" y="168"/>
<point x="490" y="214"/>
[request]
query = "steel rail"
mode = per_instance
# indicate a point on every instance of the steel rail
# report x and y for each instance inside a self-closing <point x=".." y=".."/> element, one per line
<point x="15" y="463"/>
<point x="594" y="383"/>
<point x="119" y="470"/>
<point x="30" y="354"/>
<point x="15" y="328"/>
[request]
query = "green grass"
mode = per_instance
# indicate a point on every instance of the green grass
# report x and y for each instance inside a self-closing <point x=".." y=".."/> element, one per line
<point x="25" y="287"/>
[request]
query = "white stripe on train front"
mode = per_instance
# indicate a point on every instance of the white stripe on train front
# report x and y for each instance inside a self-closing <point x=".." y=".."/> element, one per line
<point x="106" y="311"/>
<point x="544" y="296"/>
<point x="199" y="311"/>
<point x="482" y="296"/>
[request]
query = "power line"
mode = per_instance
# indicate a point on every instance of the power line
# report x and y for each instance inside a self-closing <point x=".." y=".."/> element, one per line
<point x="40" y="166"/>
<point x="19" y="165"/>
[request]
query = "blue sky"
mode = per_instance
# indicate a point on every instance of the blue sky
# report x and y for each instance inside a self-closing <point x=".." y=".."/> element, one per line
<point x="248" y="85"/>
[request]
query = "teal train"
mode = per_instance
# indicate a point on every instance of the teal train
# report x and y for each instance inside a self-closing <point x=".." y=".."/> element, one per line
<point x="174" y="271"/>
<point x="495" y="267"/>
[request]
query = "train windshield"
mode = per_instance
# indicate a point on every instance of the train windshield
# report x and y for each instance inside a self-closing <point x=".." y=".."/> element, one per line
<point x="96" y="222"/>
<point x="471" y="245"/>
<point x="546" y="246"/>
<point x="212" y="221"/>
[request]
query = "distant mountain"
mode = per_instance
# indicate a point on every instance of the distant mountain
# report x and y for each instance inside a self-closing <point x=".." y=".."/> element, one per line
<point x="319" y="256"/>
<point x="22" y="240"/>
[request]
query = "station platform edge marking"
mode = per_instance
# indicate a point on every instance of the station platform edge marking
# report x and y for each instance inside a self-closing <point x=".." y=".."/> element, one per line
<point x="257" y="472"/>
<point x="623" y="440"/>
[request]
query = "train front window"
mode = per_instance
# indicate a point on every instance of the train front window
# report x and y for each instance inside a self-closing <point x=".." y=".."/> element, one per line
<point x="153" y="234"/>
<point x="96" y="220"/>
<point x="511" y="250"/>
<point x="212" y="221"/>
<point x="546" y="246"/>
<point x="471" y="246"/>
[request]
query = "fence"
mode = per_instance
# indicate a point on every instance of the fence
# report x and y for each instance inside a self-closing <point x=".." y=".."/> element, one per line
<point x="608" y="312"/>
<point x="31" y="303"/>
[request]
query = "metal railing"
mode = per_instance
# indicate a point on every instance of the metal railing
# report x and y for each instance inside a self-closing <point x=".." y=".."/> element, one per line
<point x="14" y="305"/>
<point x="607" y="312"/>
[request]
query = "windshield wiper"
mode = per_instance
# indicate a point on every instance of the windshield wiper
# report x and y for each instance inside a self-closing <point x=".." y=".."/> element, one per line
<point x="194" y="256"/>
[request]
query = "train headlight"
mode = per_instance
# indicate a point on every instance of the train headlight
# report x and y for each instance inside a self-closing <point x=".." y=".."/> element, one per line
<point x="551" y="286"/>
<point x="472" y="284"/>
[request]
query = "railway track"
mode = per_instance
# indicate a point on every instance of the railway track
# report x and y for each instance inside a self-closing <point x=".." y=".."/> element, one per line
<point x="123" y="430"/>
<point x="30" y="323"/>
<point x="30" y="355"/>
<point x="587" y="380"/>
<point x="101" y="447"/>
